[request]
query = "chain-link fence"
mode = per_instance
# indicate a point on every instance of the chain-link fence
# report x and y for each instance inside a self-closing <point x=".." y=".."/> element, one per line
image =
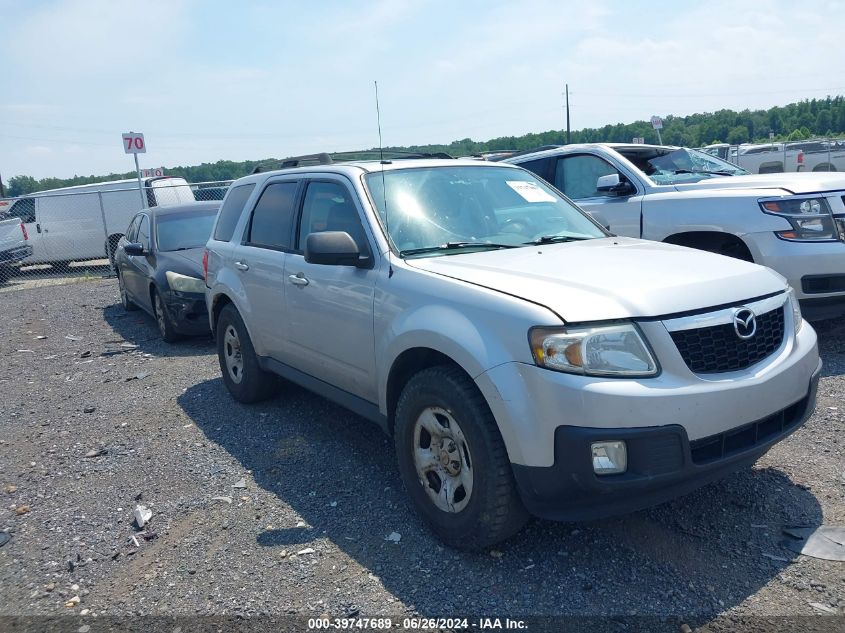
<point x="70" y="234"/>
<point x="818" y="154"/>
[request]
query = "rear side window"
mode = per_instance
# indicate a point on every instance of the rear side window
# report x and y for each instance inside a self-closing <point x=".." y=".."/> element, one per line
<point x="271" y="225"/>
<point x="230" y="213"/>
<point x="23" y="209"/>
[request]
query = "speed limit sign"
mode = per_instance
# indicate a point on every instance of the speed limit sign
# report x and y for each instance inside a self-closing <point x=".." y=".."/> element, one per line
<point x="133" y="143"/>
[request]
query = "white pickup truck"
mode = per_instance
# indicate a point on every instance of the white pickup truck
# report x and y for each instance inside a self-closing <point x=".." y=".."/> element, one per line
<point x="13" y="245"/>
<point x="791" y="222"/>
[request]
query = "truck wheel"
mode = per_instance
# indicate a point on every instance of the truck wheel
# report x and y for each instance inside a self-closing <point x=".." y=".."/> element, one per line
<point x="125" y="301"/>
<point x="453" y="461"/>
<point x="243" y="376"/>
<point x="163" y="320"/>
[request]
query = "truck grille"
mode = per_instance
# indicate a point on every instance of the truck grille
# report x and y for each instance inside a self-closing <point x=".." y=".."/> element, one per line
<point x="715" y="349"/>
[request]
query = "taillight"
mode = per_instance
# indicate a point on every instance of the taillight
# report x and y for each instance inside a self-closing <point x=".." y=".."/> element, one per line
<point x="205" y="265"/>
<point x="25" y="234"/>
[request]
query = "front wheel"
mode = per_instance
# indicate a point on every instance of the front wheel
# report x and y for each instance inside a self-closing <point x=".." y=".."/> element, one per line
<point x="453" y="461"/>
<point x="165" y="323"/>
<point x="125" y="301"/>
<point x="242" y="374"/>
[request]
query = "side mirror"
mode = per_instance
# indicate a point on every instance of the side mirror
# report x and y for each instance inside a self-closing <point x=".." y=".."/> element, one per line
<point x="134" y="249"/>
<point x="614" y="183"/>
<point x="334" y="248"/>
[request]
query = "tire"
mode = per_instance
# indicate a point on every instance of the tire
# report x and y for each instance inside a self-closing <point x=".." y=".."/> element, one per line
<point x="243" y="376"/>
<point x="470" y="454"/>
<point x="125" y="301"/>
<point x="165" y="324"/>
<point x="5" y="274"/>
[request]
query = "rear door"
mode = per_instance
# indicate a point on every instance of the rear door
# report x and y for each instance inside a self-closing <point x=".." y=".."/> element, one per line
<point x="260" y="261"/>
<point x="576" y="176"/>
<point x="329" y="327"/>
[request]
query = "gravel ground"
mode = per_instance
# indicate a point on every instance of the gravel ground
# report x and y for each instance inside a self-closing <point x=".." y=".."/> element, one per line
<point x="284" y="507"/>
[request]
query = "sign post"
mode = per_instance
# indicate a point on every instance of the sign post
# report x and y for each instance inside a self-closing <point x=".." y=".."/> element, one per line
<point x="657" y="124"/>
<point x="133" y="143"/>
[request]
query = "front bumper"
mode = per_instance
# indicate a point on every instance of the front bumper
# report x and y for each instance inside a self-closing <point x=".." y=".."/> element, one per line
<point x="662" y="464"/>
<point x="15" y="255"/>
<point x="188" y="312"/>
<point x="812" y="269"/>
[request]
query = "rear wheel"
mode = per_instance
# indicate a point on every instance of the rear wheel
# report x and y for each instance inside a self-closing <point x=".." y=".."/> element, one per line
<point x="165" y="323"/>
<point x="453" y="461"/>
<point x="242" y="374"/>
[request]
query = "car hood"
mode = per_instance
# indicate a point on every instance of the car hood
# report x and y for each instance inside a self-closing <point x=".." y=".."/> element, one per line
<point x="188" y="262"/>
<point x="794" y="182"/>
<point x="610" y="278"/>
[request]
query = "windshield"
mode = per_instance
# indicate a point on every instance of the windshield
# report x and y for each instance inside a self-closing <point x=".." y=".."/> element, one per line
<point x="184" y="231"/>
<point x="687" y="165"/>
<point x="458" y="208"/>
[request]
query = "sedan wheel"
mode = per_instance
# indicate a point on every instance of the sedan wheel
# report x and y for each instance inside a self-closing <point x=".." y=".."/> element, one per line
<point x="442" y="459"/>
<point x="233" y="355"/>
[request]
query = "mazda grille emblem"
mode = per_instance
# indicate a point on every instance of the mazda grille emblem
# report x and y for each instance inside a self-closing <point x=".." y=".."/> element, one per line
<point x="745" y="323"/>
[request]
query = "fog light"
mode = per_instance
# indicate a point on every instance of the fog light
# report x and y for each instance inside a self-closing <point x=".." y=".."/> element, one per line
<point x="609" y="457"/>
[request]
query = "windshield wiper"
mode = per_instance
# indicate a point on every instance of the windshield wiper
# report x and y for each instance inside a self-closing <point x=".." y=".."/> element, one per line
<point x="551" y="239"/>
<point x="704" y="171"/>
<point x="452" y="246"/>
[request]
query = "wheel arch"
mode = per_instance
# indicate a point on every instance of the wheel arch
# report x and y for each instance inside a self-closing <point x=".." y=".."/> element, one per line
<point x="712" y="241"/>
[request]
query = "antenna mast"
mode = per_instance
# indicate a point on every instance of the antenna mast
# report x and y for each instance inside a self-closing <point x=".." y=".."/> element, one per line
<point x="383" y="186"/>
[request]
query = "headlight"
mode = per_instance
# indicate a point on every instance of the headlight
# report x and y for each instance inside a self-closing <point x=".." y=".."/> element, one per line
<point x="796" y="310"/>
<point x="810" y="217"/>
<point x="605" y="350"/>
<point x="184" y="283"/>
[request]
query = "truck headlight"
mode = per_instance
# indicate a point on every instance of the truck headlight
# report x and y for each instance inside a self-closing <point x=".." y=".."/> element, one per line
<point x="601" y="350"/>
<point x="797" y="319"/>
<point x="810" y="216"/>
<point x="184" y="283"/>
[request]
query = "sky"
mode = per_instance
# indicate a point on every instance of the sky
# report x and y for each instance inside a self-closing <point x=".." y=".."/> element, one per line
<point x="206" y="80"/>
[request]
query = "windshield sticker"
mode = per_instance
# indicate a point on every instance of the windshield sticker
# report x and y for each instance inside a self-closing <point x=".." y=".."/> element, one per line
<point x="530" y="192"/>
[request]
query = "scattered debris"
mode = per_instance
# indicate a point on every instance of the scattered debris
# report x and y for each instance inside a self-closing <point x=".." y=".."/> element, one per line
<point x="71" y="337"/>
<point x="393" y="537"/>
<point x="240" y="483"/>
<point x="70" y="604"/>
<point x="89" y="409"/>
<point x="85" y="354"/>
<point x="135" y="541"/>
<point x="823" y="608"/>
<point x="307" y="550"/>
<point x="129" y="346"/>
<point x="333" y="504"/>
<point x="96" y="452"/>
<point x="11" y="488"/>
<point x="148" y="535"/>
<point x="283" y="554"/>
<point x="225" y="499"/>
<point x="28" y="351"/>
<point x="40" y="337"/>
<point x="142" y="516"/>
<point x="685" y="628"/>
<point x="826" y="542"/>
<point x="301" y="524"/>
<point x="21" y="510"/>
<point x="140" y="376"/>
<point x="495" y="553"/>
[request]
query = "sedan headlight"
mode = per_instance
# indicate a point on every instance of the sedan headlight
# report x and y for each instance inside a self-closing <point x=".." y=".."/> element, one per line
<point x="602" y="350"/>
<point x="810" y="217"/>
<point x="797" y="319"/>
<point x="184" y="283"/>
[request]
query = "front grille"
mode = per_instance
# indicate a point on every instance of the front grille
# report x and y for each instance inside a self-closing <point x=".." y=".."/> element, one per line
<point x="715" y="349"/>
<point x="713" y="447"/>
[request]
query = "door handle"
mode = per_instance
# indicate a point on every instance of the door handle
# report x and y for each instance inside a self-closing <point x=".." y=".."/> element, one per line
<point x="241" y="265"/>
<point x="38" y="228"/>
<point x="298" y="279"/>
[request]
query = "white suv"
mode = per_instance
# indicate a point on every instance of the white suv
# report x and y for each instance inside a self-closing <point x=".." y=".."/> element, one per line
<point x="523" y="360"/>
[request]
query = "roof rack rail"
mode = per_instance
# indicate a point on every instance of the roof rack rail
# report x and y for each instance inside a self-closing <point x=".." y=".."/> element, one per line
<point x="505" y="155"/>
<point x="324" y="158"/>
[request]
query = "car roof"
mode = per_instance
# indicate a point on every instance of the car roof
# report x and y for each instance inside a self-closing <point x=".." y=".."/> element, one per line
<point x="574" y="147"/>
<point x="184" y="209"/>
<point x="354" y="169"/>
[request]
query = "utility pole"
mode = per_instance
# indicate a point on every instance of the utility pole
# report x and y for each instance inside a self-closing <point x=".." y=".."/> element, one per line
<point x="568" y="132"/>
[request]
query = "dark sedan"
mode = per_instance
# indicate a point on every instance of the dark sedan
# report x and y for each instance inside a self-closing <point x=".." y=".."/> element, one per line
<point x="159" y="266"/>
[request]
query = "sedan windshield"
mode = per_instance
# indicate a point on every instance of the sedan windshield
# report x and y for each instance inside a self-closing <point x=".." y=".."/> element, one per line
<point x="687" y="165"/>
<point x="465" y="208"/>
<point x="183" y="231"/>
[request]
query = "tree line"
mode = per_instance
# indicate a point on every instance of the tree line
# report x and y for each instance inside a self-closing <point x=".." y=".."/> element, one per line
<point x="795" y="121"/>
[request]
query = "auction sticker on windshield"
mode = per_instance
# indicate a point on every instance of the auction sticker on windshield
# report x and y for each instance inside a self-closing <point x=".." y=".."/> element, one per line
<point x="530" y="192"/>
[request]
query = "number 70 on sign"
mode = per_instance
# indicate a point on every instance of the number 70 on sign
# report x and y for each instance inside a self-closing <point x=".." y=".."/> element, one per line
<point x="133" y="143"/>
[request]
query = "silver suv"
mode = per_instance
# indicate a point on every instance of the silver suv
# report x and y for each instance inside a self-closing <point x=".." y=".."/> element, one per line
<point x="523" y="360"/>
